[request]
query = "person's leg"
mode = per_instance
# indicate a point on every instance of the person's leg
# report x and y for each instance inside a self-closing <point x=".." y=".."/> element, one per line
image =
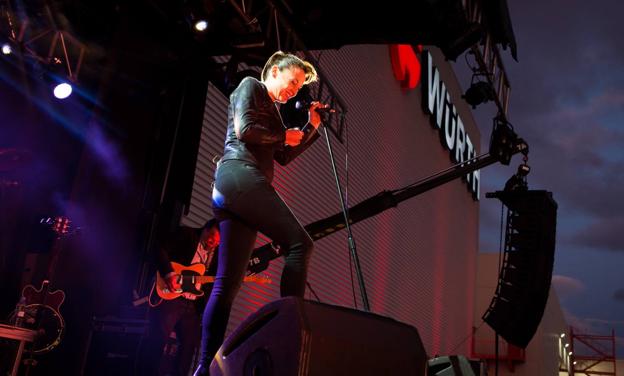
<point x="265" y="210"/>
<point x="189" y="334"/>
<point x="283" y="228"/>
<point x="237" y="241"/>
<point x="162" y="320"/>
<point x="245" y="202"/>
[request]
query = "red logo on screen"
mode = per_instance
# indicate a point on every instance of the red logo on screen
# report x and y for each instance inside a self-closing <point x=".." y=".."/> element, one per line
<point x="405" y="64"/>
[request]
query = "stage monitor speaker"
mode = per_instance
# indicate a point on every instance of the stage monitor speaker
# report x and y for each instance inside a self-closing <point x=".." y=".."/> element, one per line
<point x="293" y="337"/>
<point x="524" y="281"/>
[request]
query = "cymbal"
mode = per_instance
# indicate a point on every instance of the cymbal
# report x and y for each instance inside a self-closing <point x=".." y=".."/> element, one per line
<point x="12" y="158"/>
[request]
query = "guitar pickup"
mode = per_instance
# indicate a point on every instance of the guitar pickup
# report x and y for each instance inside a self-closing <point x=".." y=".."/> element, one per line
<point x="177" y="291"/>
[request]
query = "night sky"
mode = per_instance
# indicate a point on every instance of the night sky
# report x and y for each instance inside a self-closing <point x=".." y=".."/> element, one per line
<point x="567" y="101"/>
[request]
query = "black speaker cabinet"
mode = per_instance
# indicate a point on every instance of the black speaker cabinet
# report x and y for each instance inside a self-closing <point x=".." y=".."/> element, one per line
<point x="112" y="346"/>
<point x="524" y="281"/>
<point x="293" y="337"/>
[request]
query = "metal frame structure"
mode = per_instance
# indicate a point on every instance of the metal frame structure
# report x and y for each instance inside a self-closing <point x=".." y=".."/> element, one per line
<point x="268" y="26"/>
<point x="43" y="42"/>
<point x="592" y="354"/>
<point x="262" y="256"/>
<point x="489" y="59"/>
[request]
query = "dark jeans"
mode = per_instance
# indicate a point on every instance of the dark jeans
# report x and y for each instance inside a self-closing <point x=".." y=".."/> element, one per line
<point x="244" y="202"/>
<point x="179" y="314"/>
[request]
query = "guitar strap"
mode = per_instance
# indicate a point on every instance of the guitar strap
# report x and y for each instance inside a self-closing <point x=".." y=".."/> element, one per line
<point x="202" y="255"/>
<point x="149" y="296"/>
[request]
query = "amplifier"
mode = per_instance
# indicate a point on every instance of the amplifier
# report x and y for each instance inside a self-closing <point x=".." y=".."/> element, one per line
<point x="112" y="346"/>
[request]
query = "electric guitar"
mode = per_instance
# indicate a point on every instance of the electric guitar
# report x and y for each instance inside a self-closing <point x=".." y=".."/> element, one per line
<point x="42" y="310"/>
<point x="191" y="276"/>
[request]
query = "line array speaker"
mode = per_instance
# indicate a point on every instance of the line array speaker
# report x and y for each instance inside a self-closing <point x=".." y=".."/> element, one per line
<point x="524" y="280"/>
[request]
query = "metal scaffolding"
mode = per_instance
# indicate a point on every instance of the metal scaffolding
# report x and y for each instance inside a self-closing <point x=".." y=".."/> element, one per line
<point x="591" y="354"/>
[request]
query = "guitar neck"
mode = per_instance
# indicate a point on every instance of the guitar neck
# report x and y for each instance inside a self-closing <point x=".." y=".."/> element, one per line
<point x="204" y="279"/>
<point x="209" y="279"/>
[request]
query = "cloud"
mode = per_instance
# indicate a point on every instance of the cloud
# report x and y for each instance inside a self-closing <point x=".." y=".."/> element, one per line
<point x="567" y="287"/>
<point x="577" y="155"/>
<point x="579" y="324"/>
<point x="604" y="101"/>
<point x="604" y="322"/>
<point x="567" y="98"/>
<point x="605" y="233"/>
<point x="590" y="325"/>
<point x="567" y="101"/>
<point x="594" y="326"/>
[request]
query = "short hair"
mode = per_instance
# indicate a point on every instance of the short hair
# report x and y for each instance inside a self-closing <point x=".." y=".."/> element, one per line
<point x="284" y="60"/>
<point x="212" y="222"/>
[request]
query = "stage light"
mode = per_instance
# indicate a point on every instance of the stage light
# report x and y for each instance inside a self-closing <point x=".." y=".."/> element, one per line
<point x="6" y="49"/>
<point x="57" y="79"/>
<point x="566" y="345"/>
<point x="518" y="182"/>
<point x="562" y="335"/>
<point x="570" y="353"/>
<point x="201" y="25"/>
<point x="524" y="169"/>
<point x="479" y="92"/>
<point x="199" y="15"/>
<point x="62" y="90"/>
<point x="503" y="140"/>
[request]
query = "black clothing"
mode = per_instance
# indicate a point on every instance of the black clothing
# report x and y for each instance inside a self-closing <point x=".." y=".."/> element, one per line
<point x="180" y="314"/>
<point x="180" y="247"/>
<point x="244" y="202"/>
<point x="262" y="136"/>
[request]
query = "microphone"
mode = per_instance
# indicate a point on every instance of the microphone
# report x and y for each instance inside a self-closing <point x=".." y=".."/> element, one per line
<point x="304" y="105"/>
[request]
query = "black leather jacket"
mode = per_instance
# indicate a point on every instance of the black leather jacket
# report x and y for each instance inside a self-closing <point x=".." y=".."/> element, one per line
<point x="261" y="131"/>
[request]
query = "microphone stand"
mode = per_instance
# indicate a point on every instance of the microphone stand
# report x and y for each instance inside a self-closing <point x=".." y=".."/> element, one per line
<point x="352" y="248"/>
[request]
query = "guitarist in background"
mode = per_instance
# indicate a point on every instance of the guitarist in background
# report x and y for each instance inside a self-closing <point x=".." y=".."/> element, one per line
<point x="185" y="246"/>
